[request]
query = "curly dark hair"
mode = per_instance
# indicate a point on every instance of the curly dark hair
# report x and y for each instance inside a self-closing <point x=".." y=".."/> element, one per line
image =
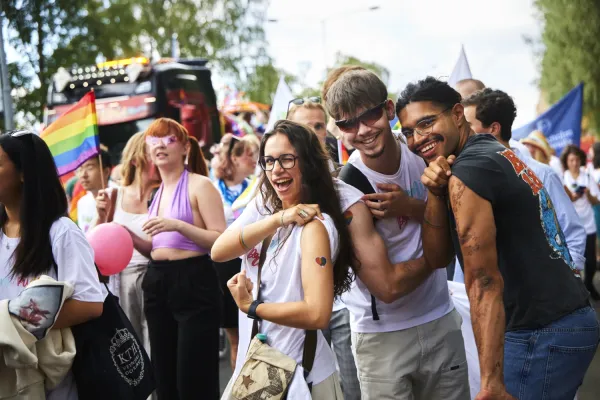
<point x="428" y="89"/>
<point x="494" y="106"/>
<point x="572" y="149"/>
<point x="317" y="188"/>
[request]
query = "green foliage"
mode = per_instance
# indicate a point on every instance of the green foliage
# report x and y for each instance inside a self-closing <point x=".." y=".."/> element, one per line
<point x="48" y="34"/>
<point x="572" y="51"/>
<point x="53" y="33"/>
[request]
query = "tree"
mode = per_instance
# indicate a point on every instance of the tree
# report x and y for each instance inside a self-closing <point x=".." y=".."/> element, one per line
<point x="571" y="52"/>
<point x="53" y="33"/>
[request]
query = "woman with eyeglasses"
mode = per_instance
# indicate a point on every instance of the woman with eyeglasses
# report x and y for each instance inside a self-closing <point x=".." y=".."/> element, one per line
<point x="237" y="163"/>
<point x="307" y="258"/>
<point x="182" y="300"/>
<point x="37" y="238"/>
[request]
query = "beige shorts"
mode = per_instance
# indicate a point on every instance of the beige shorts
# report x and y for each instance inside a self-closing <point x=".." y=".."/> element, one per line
<point x="424" y="362"/>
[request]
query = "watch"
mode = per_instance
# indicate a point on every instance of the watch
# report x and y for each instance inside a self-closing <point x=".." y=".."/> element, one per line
<point x="252" y="310"/>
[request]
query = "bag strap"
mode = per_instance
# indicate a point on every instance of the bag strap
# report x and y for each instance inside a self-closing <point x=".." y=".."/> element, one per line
<point x="310" y="338"/>
<point x="113" y="204"/>
<point x="354" y="177"/>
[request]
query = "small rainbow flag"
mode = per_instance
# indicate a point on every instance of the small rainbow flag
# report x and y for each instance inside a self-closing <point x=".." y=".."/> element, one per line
<point x="73" y="137"/>
<point x="343" y="154"/>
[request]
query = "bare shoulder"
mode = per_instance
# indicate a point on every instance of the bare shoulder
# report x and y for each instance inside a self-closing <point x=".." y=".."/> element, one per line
<point x="199" y="180"/>
<point x="314" y="232"/>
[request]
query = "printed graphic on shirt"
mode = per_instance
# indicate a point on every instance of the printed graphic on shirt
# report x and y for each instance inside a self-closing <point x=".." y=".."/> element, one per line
<point x="554" y="234"/>
<point x="37" y="308"/>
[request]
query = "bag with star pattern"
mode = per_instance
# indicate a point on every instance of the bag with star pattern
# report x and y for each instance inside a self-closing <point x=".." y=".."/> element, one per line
<point x="267" y="372"/>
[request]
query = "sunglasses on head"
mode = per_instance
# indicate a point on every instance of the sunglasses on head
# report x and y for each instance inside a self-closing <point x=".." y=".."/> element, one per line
<point x="232" y="143"/>
<point x="368" y="117"/>
<point x="301" y="100"/>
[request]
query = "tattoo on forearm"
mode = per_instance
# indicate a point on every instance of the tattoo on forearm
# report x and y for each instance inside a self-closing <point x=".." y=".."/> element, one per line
<point x="321" y="261"/>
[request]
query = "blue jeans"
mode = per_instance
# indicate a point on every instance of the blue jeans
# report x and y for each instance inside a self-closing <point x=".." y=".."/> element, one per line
<point x="550" y="363"/>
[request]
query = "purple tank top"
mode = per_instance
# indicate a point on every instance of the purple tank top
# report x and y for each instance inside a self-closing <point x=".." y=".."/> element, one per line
<point x="180" y="209"/>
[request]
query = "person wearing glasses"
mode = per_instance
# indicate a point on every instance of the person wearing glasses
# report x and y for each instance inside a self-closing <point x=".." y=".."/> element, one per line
<point x="535" y="331"/>
<point x="37" y="238"/>
<point x="307" y="258"/>
<point x="182" y="299"/>
<point x="237" y="162"/>
<point x="410" y="346"/>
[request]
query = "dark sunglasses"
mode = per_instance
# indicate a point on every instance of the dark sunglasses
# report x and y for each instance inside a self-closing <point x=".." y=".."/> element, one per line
<point x="232" y="142"/>
<point x="368" y="117"/>
<point x="301" y="100"/>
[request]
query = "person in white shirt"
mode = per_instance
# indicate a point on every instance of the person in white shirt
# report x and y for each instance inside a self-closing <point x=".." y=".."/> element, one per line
<point x="139" y="179"/>
<point x="584" y="194"/>
<point x="394" y="341"/>
<point x="93" y="179"/>
<point x="37" y="239"/>
<point x="312" y="113"/>
<point x="307" y="259"/>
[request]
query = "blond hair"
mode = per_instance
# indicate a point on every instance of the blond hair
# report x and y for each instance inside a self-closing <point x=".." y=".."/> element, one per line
<point x="225" y="168"/>
<point x="309" y="105"/>
<point x="133" y="159"/>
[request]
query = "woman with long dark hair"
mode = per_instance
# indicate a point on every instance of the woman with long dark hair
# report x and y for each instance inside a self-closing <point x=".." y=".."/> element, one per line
<point x="38" y="239"/>
<point x="182" y="300"/>
<point x="306" y="264"/>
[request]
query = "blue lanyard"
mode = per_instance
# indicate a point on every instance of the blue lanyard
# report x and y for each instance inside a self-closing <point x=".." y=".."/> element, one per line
<point x="229" y="195"/>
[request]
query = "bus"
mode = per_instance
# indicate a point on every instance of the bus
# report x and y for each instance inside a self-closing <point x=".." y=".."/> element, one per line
<point x="131" y="93"/>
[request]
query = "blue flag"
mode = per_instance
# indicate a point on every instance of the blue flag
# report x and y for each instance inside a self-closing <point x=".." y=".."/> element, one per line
<point x="561" y="123"/>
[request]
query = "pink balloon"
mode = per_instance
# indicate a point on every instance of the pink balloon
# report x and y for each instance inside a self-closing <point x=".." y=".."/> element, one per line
<point x="113" y="247"/>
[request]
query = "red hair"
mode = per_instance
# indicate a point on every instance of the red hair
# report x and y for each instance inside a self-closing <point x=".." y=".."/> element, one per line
<point x="162" y="127"/>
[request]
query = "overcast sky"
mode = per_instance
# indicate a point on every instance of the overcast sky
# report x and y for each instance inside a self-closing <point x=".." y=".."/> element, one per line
<point x="412" y="38"/>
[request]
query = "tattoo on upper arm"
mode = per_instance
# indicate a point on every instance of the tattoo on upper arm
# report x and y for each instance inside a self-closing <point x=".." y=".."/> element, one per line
<point x="348" y="216"/>
<point x="457" y="194"/>
<point x="321" y="261"/>
<point x="469" y="243"/>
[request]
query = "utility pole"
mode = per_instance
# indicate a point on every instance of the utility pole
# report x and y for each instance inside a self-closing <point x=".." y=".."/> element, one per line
<point x="6" y="98"/>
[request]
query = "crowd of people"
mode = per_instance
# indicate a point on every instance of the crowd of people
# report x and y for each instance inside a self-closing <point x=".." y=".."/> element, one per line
<point x="442" y="261"/>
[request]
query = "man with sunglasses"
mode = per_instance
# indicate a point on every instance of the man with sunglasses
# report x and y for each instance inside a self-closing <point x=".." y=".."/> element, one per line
<point x="535" y="331"/>
<point x="411" y="346"/>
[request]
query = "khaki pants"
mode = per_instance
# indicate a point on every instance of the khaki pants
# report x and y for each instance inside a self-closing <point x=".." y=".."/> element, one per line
<point x="424" y="362"/>
<point x="329" y="389"/>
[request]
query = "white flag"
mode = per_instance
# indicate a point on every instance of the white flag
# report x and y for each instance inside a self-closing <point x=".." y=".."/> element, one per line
<point x="283" y="96"/>
<point x="461" y="69"/>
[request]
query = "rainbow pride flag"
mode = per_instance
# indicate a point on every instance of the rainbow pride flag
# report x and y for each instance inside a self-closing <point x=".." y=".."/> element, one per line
<point x="343" y="154"/>
<point x="73" y="137"/>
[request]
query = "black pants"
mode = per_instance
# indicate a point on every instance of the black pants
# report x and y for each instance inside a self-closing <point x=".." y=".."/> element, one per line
<point x="182" y="302"/>
<point x="590" y="264"/>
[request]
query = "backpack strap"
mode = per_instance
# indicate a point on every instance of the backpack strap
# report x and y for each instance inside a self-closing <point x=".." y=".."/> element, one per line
<point x="354" y="177"/>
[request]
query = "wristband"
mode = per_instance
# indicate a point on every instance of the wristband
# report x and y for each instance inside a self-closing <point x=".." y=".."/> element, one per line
<point x="252" y="310"/>
<point x="241" y="238"/>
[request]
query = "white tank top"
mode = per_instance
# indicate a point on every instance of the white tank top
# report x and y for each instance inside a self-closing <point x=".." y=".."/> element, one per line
<point x="134" y="223"/>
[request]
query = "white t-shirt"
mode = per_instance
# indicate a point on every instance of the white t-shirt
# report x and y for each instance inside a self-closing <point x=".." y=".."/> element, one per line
<point x="556" y="165"/>
<point x="254" y="212"/>
<point x="583" y="205"/>
<point x="281" y="283"/>
<point x="75" y="260"/>
<point x="402" y="237"/>
<point x="86" y="209"/>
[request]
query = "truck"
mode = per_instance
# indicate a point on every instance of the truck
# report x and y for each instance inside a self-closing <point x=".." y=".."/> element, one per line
<point x="133" y="92"/>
